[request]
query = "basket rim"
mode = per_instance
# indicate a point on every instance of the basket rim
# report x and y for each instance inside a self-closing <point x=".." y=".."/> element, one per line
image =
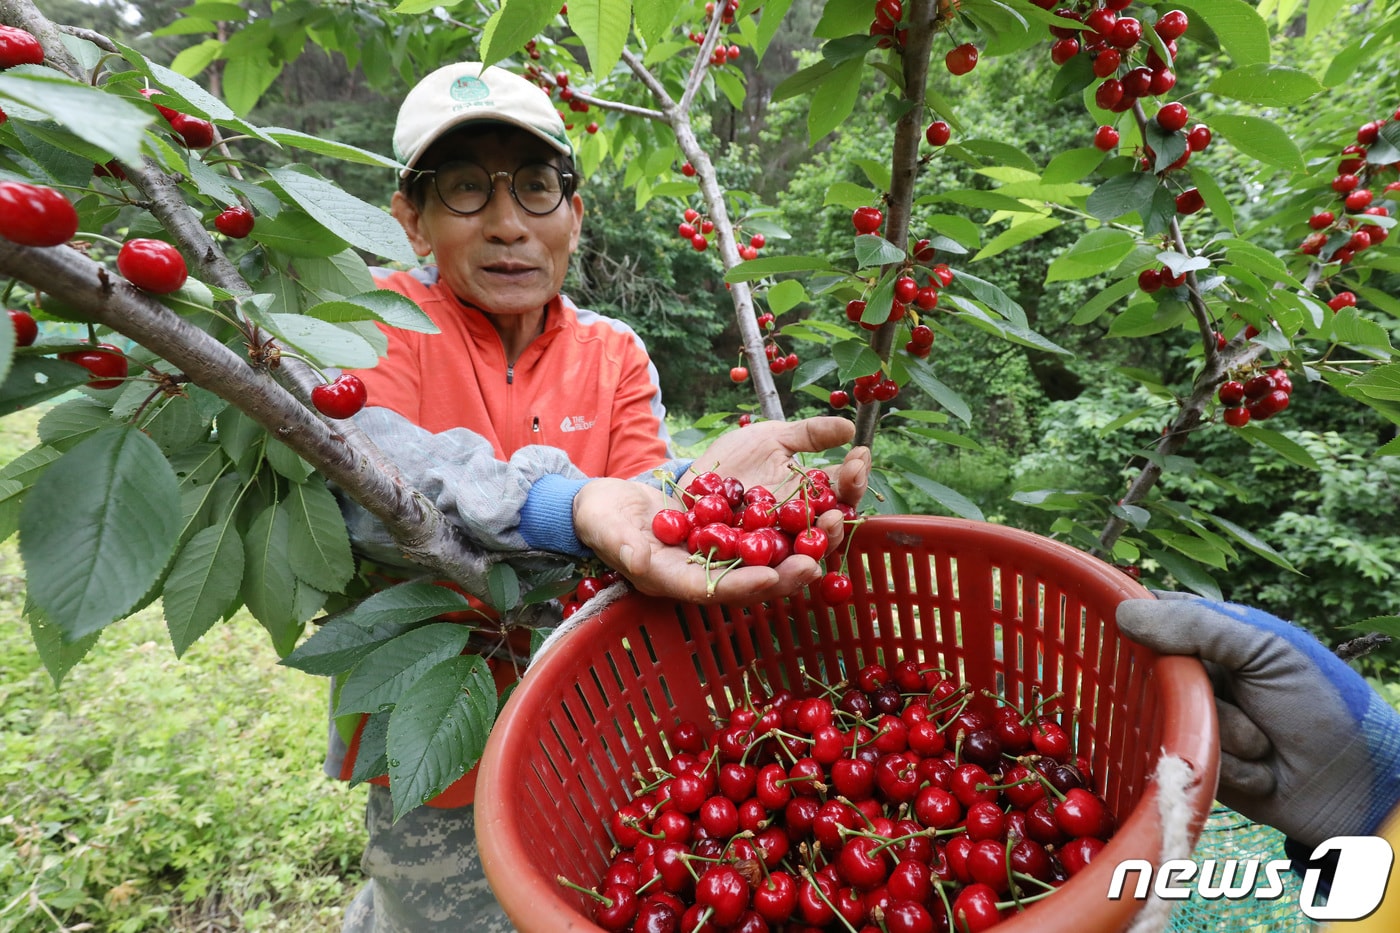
<point x="1191" y="733"/>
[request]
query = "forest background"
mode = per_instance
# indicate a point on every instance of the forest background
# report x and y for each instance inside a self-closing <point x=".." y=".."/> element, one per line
<point x="116" y="843"/>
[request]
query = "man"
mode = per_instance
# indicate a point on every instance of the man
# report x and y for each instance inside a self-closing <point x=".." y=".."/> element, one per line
<point x="489" y="190"/>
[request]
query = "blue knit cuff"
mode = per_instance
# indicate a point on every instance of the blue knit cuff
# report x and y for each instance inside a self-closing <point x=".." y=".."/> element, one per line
<point x="547" y="518"/>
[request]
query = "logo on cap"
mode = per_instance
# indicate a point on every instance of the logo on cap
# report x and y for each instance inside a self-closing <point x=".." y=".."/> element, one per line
<point x="469" y="88"/>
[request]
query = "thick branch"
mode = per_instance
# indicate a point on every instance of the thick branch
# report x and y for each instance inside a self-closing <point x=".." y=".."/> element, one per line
<point x="904" y="163"/>
<point x="424" y="533"/>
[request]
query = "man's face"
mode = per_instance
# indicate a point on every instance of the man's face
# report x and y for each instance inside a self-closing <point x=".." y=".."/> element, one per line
<point x="501" y="259"/>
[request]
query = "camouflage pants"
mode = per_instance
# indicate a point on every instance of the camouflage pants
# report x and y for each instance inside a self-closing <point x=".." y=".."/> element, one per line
<point x="425" y="874"/>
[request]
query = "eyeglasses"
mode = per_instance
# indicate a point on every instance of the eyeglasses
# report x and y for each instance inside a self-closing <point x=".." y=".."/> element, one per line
<point x="466" y="188"/>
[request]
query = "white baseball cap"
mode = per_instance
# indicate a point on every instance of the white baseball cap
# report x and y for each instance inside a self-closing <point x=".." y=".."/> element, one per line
<point x="464" y="93"/>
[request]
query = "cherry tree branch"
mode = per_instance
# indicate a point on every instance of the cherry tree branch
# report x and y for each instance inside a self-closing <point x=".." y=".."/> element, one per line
<point x="904" y="165"/>
<point x="416" y="525"/>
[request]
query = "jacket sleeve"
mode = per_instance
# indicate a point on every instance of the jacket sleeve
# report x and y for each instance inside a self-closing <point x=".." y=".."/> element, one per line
<point x="512" y="509"/>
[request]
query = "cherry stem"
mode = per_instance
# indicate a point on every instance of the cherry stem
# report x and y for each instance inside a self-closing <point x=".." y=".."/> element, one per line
<point x="600" y="898"/>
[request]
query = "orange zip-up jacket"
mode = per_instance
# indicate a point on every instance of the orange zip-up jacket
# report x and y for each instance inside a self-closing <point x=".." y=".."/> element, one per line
<point x="585" y="386"/>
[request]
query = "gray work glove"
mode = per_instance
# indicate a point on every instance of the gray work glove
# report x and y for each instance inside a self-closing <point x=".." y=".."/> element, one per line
<point x="1306" y="745"/>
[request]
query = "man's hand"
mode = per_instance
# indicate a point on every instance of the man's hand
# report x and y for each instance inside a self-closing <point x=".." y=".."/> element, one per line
<point x="613" y="517"/>
<point x="1306" y="745"/>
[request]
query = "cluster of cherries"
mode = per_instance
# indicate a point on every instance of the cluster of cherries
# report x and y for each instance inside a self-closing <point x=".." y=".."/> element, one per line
<point x="558" y="84"/>
<point x="724" y="525"/>
<point x="1342" y="230"/>
<point x="194" y="132"/>
<point x="889" y="14"/>
<point x="1261" y="396"/>
<point x="900" y="801"/>
<point x="778" y="361"/>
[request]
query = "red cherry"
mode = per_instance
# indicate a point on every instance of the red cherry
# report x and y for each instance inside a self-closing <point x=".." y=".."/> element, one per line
<point x="18" y="47"/>
<point x="1126" y="33"/>
<point x="1231" y="393"/>
<point x="26" y="330"/>
<point x="591" y="128"/>
<point x="938" y="133"/>
<point x="1106" y="63"/>
<point x="1106" y="138"/>
<point x="1109" y="94"/>
<point x="758" y="241"/>
<point x="1150" y="280"/>
<point x="235" y="222"/>
<point x="1063" y="50"/>
<point x="1342" y="300"/>
<point x="839" y="398"/>
<point x="1172" y="25"/>
<point x="194" y="132"/>
<point x="1322" y="220"/>
<point x="835" y="588"/>
<point x="152" y="265"/>
<point x="699" y="243"/>
<point x="341" y="398"/>
<point x="1189" y="201"/>
<point x="867" y="219"/>
<point x="905" y="288"/>
<point x="686" y="231"/>
<point x="670" y="527"/>
<point x="105" y="361"/>
<point x="33" y="215"/>
<point x="975" y="909"/>
<point x="738" y="374"/>
<point x="1172" y="117"/>
<point x="962" y="59"/>
<point x="1358" y="200"/>
<point x="616" y="908"/>
<point x="1199" y="137"/>
<point x="688" y="170"/>
<point x="1345" y="182"/>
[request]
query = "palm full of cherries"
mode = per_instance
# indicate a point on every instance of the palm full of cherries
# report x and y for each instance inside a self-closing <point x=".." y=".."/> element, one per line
<point x="725" y="525"/>
<point x="899" y="801"/>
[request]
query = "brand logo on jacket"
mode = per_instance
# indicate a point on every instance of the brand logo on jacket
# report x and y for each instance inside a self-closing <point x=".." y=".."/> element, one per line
<point x="575" y="423"/>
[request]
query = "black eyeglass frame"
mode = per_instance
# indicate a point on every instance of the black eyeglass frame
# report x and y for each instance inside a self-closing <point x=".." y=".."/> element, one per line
<point x="566" y="185"/>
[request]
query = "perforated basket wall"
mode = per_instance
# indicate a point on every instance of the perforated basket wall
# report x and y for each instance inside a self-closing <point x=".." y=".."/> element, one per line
<point x="1002" y="609"/>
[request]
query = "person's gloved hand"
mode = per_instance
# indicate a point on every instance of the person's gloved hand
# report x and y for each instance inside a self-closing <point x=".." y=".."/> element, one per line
<point x="1306" y="745"/>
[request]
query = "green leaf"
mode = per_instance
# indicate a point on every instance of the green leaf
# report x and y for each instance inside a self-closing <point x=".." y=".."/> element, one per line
<point x="986" y="200"/>
<point x="855" y="359"/>
<point x="775" y="265"/>
<point x="950" y="499"/>
<point x="991" y="296"/>
<point x="1190" y="575"/>
<point x="803" y="81"/>
<point x="409" y="602"/>
<point x="874" y="250"/>
<point x="1260" y="139"/>
<point x="1072" y="165"/>
<point x="1149" y="317"/>
<point x="58" y="653"/>
<point x="503" y="586"/>
<point x="372" y="759"/>
<point x="1267" y="85"/>
<point x="1239" y="27"/>
<point x="1290" y="450"/>
<point x="654" y="18"/>
<point x="1052" y="500"/>
<point x="509" y="28"/>
<point x="328" y="147"/>
<point x="848" y="194"/>
<point x="1123" y="194"/>
<point x="438" y="730"/>
<point x="268" y="584"/>
<point x="378" y="681"/>
<point x="246" y="79"/>
<point x="1351" y="328"/>
<point x="1095" y="253"/>
<point x="921" y="374"/>
<point x="1216" y="199"/>
<point x="296" y="234"/>
<point x="1252" y="541"/>
<point x="1101" y="302"/>
<point x="203" y="583"/>
<point x="1386" y="625"/>
<point x="785" y="296"/>
<point x="834" y="99"/>
<point x="98" y="530"/>
<point x="113" y="124"/>
<point x="382" y="305"/>
<point x="1383" y="382"/>
<point x="320" y="547"/>
<point x="603" y="26"/>
<point x="326" y="343"/>
<point x="771" y="19"/>
<point x="354" y="221"/>
<point x="1018" y="233"/>
<point x="340" y="644"/>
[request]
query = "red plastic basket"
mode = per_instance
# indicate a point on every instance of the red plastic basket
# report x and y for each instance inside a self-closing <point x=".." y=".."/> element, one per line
<point x="1002" y="609"/>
